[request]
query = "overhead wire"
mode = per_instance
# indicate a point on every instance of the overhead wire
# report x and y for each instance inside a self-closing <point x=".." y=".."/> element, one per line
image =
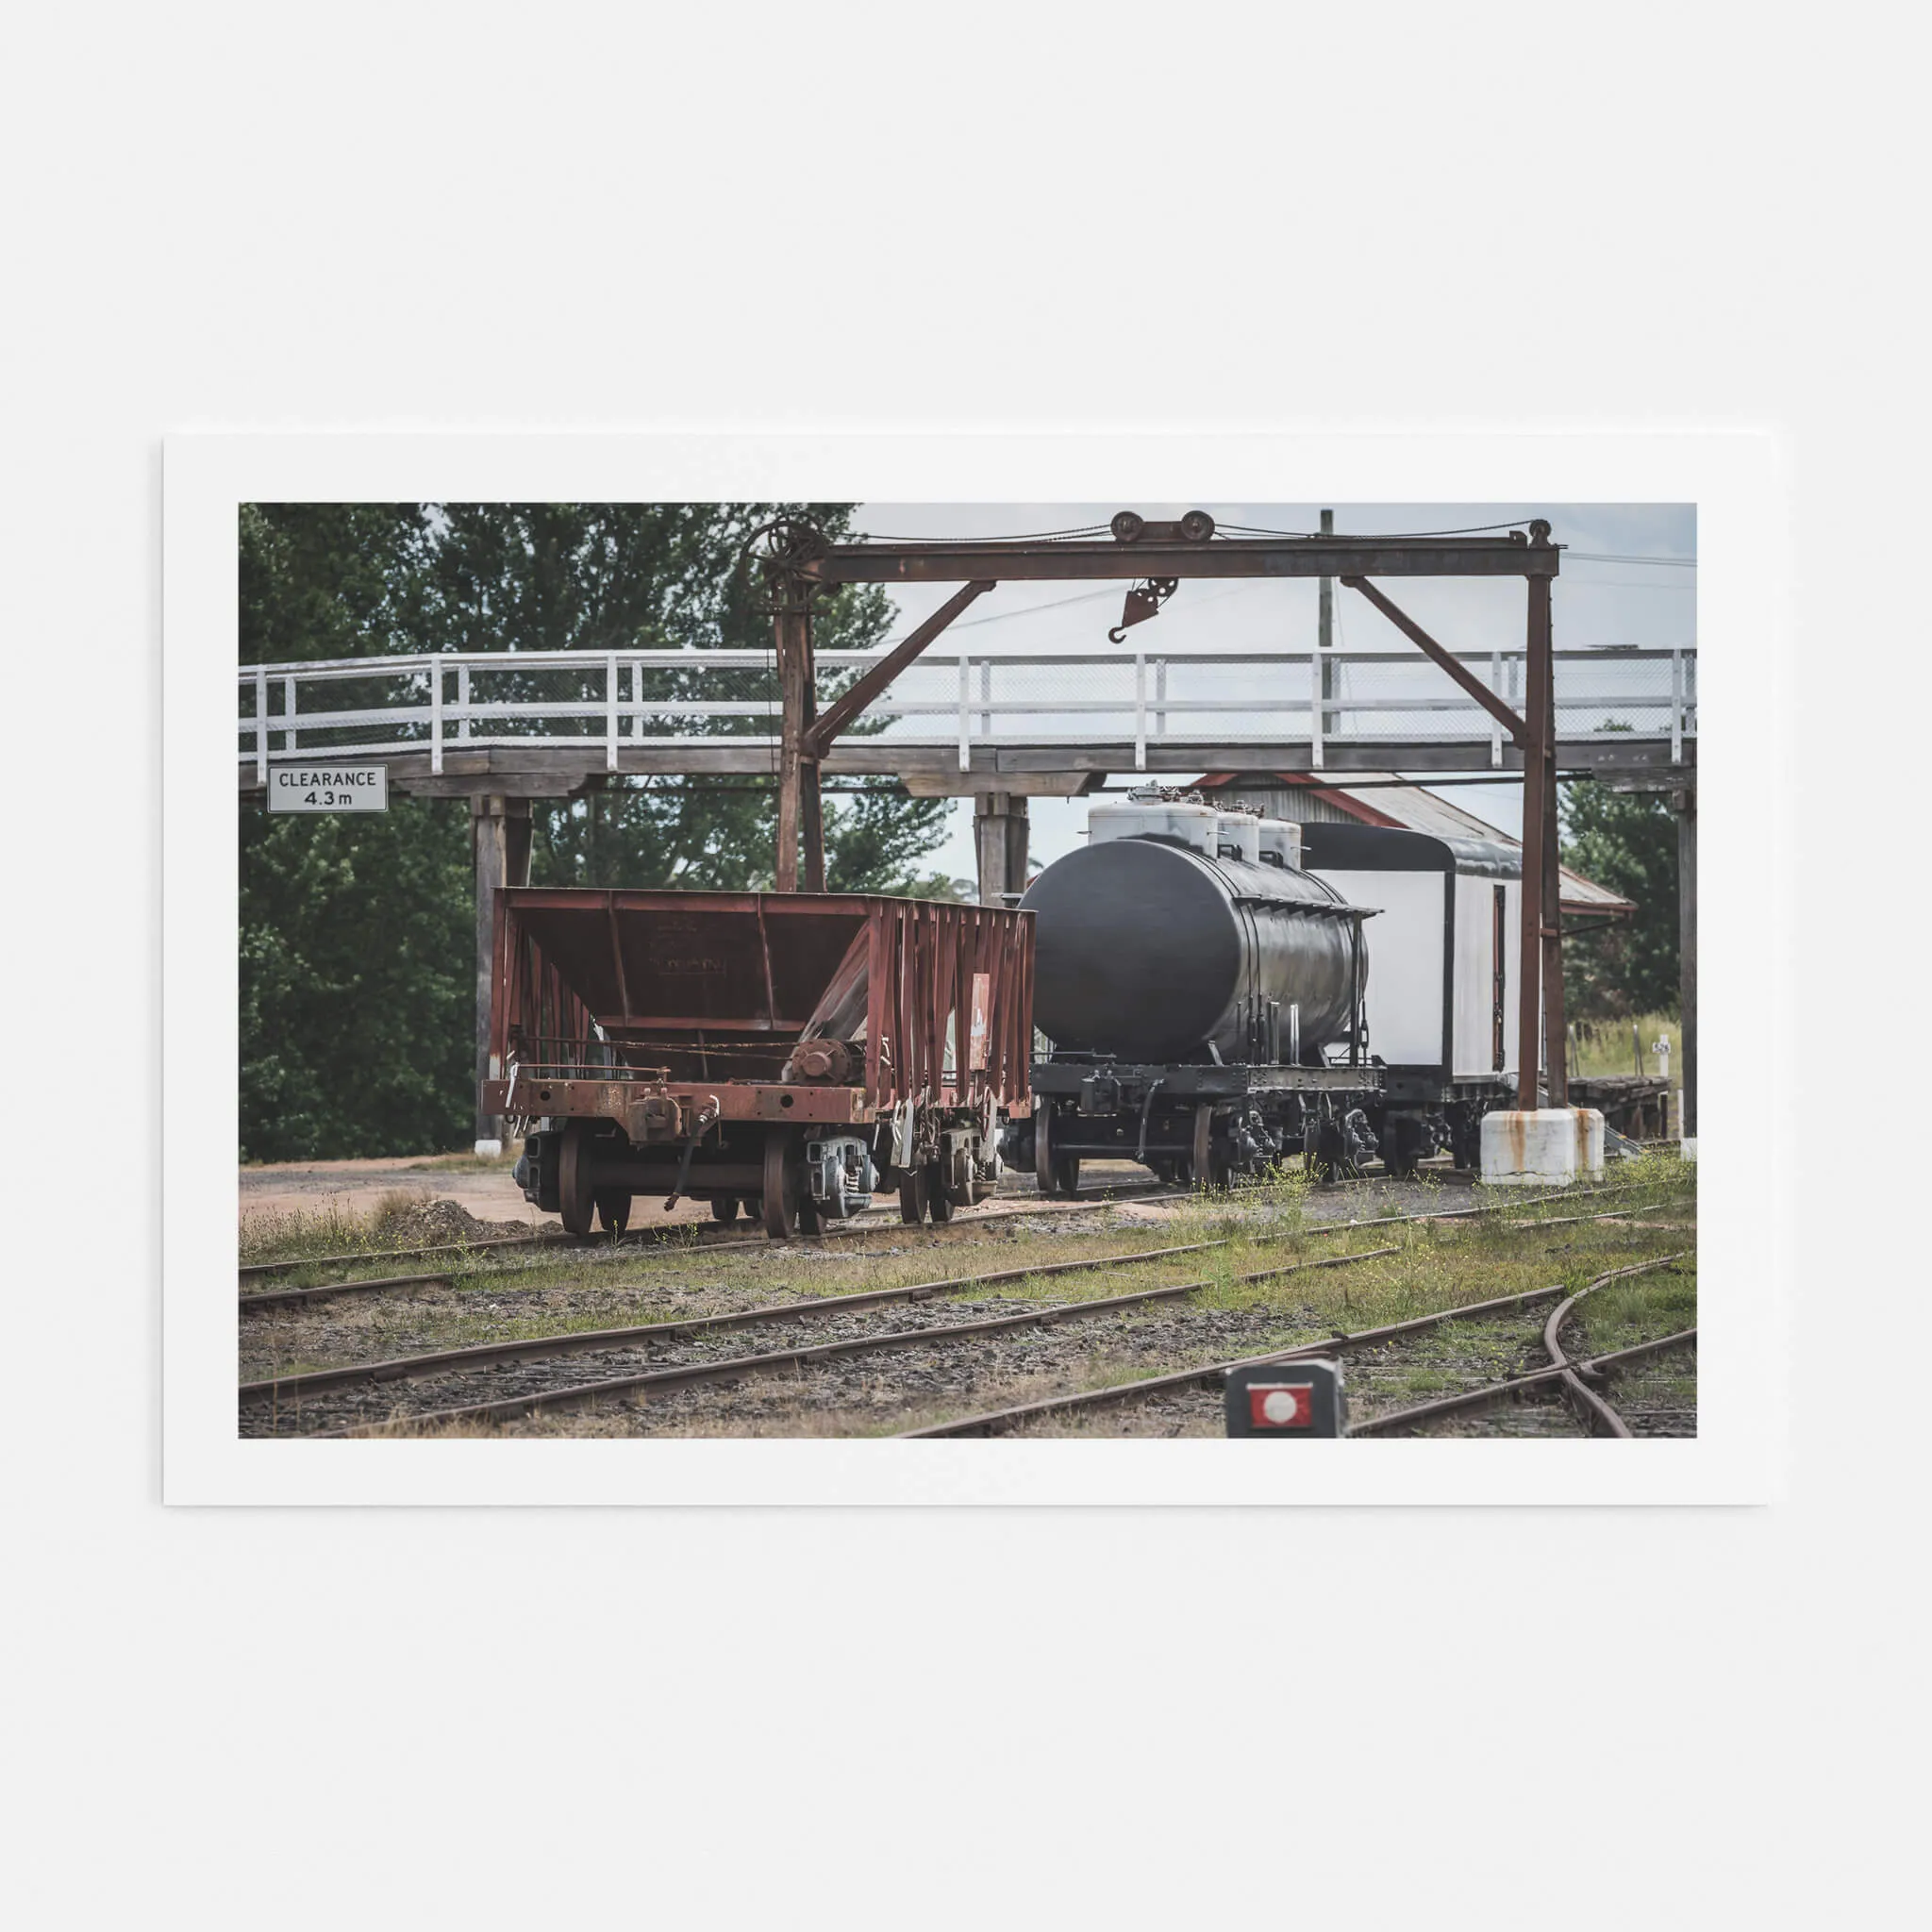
<point x="1468" y="530"/>
<point x="968" y="543"/>
<point x="1076" y="531"/>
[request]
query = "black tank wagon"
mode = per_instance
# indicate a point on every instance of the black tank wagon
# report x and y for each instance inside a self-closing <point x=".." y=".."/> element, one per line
<point x="1205" y="985"/>
<point x="787" y="1054"/>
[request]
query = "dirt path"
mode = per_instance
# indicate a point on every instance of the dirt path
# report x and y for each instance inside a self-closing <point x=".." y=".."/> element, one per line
<point x="482" y="1187"/>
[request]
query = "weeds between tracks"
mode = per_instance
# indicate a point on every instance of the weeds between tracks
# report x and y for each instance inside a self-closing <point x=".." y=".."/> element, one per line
<point x="580" y="1291"/>
<point x="1442" y="1264"/>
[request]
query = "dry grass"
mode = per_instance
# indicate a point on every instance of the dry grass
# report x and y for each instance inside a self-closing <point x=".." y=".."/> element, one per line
<point x="470" y="1163"/>
<point x="633" y="1288"/>
<point x="337" y="1227"/>
<point x="1604" y="1046"/>
<point x="1433" y="1266"/>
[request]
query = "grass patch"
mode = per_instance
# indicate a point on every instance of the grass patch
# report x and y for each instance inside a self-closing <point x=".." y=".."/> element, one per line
<point x="1644" y="1308"/>
<point x="469" y="1163"/>
<point x="1433" y="1266"/>
<point x="338" y="1227"/>
<point x="1603" y="1046"/>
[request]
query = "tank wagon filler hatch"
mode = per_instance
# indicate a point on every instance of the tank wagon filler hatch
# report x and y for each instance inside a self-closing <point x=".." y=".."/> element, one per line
<point x="704" y="1042"/>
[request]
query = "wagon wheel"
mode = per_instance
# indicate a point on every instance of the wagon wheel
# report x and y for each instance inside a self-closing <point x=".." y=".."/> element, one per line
<point x="912" y="1191"/>
<point x="781" y="1187"/>
<point x="1402" y="1146"/>
<point x="725" y="1207"/>
<point x="573" y="1192"/>
<point x="1205" y="1173"/>
<point x="613" y="1210"/>
<point x="1057" y="1173"/>
<point x="1332" y="1159"/>
<point x="938" y="1204"/>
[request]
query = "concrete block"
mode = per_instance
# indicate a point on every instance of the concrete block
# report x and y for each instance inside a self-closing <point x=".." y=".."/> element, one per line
<point x="1538" y="1147"/>
<point x="1589" y="1143"/>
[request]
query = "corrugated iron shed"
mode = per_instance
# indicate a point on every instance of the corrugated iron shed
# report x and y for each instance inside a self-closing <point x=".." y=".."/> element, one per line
<point x="1388" y="799"/>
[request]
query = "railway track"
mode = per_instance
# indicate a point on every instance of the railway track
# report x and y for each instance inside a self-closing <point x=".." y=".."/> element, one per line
<point x="718" y="1236"/>
<point x="1574" y="1378"/>
<point x="647" y="1381"/>
<point x="301" y="1392"/>
<point x="1597" y="1414"/>
<point x="654" y="1240"/>
<point x="259" y="1301"/>
<point x="302" y="1297"/>
<point x="485" y="1355"/>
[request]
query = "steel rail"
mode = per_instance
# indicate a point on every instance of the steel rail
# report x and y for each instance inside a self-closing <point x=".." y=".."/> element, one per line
<point x="657" y="1239"/>
<point x="1594" y="1410"/>
<point x="484" y="1354"/>
<point x="304" y="1297"/>
<point x="691" y="1373"/>
<point x="699" y="1233"/>
<point x="327" y="1290"/>
<point x="1562" y="1370"/>
<point x="996" y="1422"/>
<point x="1496" y="1392"/>
<point x="249" y="1269"/>
<point x="717" y="1235"/>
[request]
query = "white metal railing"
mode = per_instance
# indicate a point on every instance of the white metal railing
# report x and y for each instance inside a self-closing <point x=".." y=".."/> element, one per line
<point x="675" y="699"/>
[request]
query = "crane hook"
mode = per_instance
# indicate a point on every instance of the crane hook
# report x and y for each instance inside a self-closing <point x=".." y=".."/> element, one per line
<point x="1143" y="601"/>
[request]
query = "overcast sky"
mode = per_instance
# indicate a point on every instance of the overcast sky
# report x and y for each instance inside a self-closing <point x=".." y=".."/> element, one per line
<point x="1594" y="603"/>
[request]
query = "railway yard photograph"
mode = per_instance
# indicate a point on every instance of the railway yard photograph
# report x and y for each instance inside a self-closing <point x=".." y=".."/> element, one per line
<point x="867" y="852"/>
<point x="1064" y="972"/>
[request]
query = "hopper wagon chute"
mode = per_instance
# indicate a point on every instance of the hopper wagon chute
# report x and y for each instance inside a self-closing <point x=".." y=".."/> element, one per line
<point x="783" y="1054"/>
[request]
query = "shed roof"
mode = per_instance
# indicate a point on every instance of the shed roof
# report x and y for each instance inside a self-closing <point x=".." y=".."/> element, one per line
<point x="1389" y="799"/>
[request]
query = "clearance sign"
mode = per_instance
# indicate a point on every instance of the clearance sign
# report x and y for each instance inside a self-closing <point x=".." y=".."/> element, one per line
<point x="328" y="788"/>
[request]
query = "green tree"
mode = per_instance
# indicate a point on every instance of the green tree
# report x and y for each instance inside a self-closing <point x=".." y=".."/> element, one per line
<point x="1627" y="841"/>
<point x="590" y="576"/>
<point x="357" y="986"/>
<point x="332" y="580"/>
<point x="356" y="1033"/>
<point x="357" y="934"/>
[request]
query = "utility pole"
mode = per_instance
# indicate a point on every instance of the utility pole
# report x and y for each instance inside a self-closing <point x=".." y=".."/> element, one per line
<point x="1326" y="632"/>
<point x="1324" y="629"/>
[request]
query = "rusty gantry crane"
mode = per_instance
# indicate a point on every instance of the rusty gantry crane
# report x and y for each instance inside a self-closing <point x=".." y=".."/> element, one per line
<point x="800" y="564"/>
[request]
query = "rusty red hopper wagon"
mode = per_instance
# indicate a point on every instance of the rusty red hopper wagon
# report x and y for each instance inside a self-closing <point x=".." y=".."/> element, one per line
<point x="785" y="1054"/>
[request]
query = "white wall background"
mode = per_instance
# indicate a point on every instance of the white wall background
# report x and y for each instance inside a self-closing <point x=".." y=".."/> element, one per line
<point x="427" y="215"/>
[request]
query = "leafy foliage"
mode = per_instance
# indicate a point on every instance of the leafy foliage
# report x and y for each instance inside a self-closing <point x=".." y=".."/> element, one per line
<point x="358" y="975"/>
<point x="357" y="982"/>
<point x="1627" y="841"/>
